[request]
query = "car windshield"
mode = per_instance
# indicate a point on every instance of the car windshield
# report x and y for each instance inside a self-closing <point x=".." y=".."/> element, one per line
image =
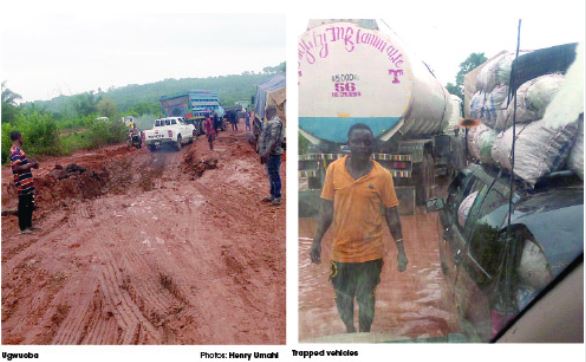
<point x="506" y="172"/>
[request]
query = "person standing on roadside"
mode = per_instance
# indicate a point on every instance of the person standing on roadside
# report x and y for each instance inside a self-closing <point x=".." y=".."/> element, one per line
<point x="270" y="150"/>
<point x="234" y="121"/>
<point x="23" y="180"/>
<point x="217" y="122"/>
<point x="210" y="130"/>
<point x="241" y="116"/>
<point x="358" y="196"/>
<point x="247" y="121"/>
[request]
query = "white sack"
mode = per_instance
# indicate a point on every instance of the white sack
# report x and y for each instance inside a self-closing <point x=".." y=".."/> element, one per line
<point x="539" y="150"/>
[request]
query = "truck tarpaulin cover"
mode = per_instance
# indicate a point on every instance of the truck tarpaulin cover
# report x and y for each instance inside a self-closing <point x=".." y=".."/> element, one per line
<point x="260" y="101"/>
<point x="543" y="61"/>
<point x="175" y="106"/>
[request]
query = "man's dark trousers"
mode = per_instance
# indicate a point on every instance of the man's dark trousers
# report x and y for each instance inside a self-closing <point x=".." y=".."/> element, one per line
<point x="26" y="205"/>
<point x="273" y="167"/>
<point x="356" y="280"/>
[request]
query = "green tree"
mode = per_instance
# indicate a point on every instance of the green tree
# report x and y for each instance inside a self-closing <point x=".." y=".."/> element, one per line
<point x="9" y="106"/>
<point x="281" y="68"/>
<point x="145" y="108"/>
<point x="106" y="108"/>
<point x="85" y="103"/>
<point x="39" y="130"/>
<point x="473" y="61"/>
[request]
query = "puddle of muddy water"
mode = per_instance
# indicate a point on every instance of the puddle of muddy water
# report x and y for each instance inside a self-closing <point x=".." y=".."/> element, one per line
<point x="412" y="304"/>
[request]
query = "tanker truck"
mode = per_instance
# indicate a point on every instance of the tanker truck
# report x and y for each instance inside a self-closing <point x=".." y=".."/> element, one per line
<point x="352" y="71"/>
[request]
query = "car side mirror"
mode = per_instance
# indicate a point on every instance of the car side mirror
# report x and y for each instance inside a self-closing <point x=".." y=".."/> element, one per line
<point x="435" y="204"/>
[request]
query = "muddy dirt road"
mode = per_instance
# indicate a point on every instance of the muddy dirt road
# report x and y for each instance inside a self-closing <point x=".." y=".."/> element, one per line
<point x="412" y="304"/>
<point x="141" y="249"/>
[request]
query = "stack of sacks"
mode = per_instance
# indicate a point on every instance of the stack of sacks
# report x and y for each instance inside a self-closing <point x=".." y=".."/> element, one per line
<point x="488" y="105"/>
<point x="480" y="142"/>
<point x="539" y="148"/>
<point x="568" y="105"/>
<point x="490" y="100"/>
<point x="533" y="97"/>
<point x="497" y="72"/>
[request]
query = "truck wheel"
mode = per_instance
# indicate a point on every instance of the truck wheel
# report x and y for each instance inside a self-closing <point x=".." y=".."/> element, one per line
<point x="179" y="144"/>
<point x="152" y="148"/>
<point x="424" y="179"/>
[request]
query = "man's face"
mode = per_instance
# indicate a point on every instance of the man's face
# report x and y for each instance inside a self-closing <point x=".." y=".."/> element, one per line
<point x="361" y="143"/>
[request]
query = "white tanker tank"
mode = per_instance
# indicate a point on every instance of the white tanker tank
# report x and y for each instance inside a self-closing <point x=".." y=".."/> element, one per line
<point x="351" y="71"/>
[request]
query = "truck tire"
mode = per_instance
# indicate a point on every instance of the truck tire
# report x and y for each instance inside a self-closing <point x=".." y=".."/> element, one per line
<point x="424" y="179"/>
<point x="179" y="143"/>
<point x="152" y="148"/>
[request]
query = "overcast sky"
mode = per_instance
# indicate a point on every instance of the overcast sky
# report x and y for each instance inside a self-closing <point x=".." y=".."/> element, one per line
<point x="443" y="33"/>
<point x="45" y="56"/>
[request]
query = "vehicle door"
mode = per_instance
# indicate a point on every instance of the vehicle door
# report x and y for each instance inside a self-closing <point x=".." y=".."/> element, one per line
<point x="464" y="187"/>
<point x="481" y="260"/>
<point x="182" y="129"/>
<point x="186" y="129"/>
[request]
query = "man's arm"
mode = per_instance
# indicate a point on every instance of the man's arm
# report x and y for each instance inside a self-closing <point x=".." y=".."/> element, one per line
<point x="261" y="140"/>
<point x="325" y="220"/>
<point x="394" y="223"/>
<point x="18" y="166"/>
<point x="274" y="131"/>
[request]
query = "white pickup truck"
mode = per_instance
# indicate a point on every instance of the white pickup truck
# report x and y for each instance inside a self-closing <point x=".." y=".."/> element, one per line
<point x="169" y="130"/>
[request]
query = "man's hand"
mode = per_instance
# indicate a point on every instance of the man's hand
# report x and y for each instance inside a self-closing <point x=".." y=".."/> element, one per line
<point x="35" y="164"/>
<point x="402" y="261"/>
<point x="315" y="252"/>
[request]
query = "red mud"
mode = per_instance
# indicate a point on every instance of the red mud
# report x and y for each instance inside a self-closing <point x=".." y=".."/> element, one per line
<point x="135" y="251"/>
<point x="412" y="304"/>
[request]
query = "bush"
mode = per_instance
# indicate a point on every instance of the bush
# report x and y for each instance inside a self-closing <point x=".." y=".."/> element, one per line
<point x="75" y="141"/>
<point x="75" y="122"/>
<point x="39" y="132"/>
<point x="6" y="143"/>
<point x="101" y="133"/>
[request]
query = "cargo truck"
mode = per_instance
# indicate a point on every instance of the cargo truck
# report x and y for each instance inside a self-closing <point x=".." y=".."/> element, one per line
<point x="352" y="71"/>
<point x="192" y="106"/>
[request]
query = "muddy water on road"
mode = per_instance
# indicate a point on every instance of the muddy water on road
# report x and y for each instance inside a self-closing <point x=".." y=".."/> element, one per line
<point x="412" y="304"/>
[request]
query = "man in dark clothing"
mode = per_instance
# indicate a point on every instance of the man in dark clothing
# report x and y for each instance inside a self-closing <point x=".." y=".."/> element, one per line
<point x="217" y="122"/>
<point x="23" y="180"/>
<point x="234" y="121"/>
<point x="270" y="150"/>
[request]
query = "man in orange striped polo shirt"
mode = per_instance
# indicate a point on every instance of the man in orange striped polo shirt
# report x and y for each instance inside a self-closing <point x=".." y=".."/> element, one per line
<point x="358" y="196"/>
<point x="23" y="180"/>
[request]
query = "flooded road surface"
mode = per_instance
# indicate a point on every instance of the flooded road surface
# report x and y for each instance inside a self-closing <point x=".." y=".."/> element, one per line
<point x="147" y="248"/>
<point x="412" y="304"/>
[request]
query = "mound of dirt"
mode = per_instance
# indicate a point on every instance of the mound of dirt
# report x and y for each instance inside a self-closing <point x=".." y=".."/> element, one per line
<point x="73" y="182"/>
<point x="70" y="170"/>
<point x="196" y="167"/>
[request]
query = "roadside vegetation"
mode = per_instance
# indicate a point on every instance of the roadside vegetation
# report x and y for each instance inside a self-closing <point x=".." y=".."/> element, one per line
<point x="65" y="124"/>
<point x="55" y="134"/>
